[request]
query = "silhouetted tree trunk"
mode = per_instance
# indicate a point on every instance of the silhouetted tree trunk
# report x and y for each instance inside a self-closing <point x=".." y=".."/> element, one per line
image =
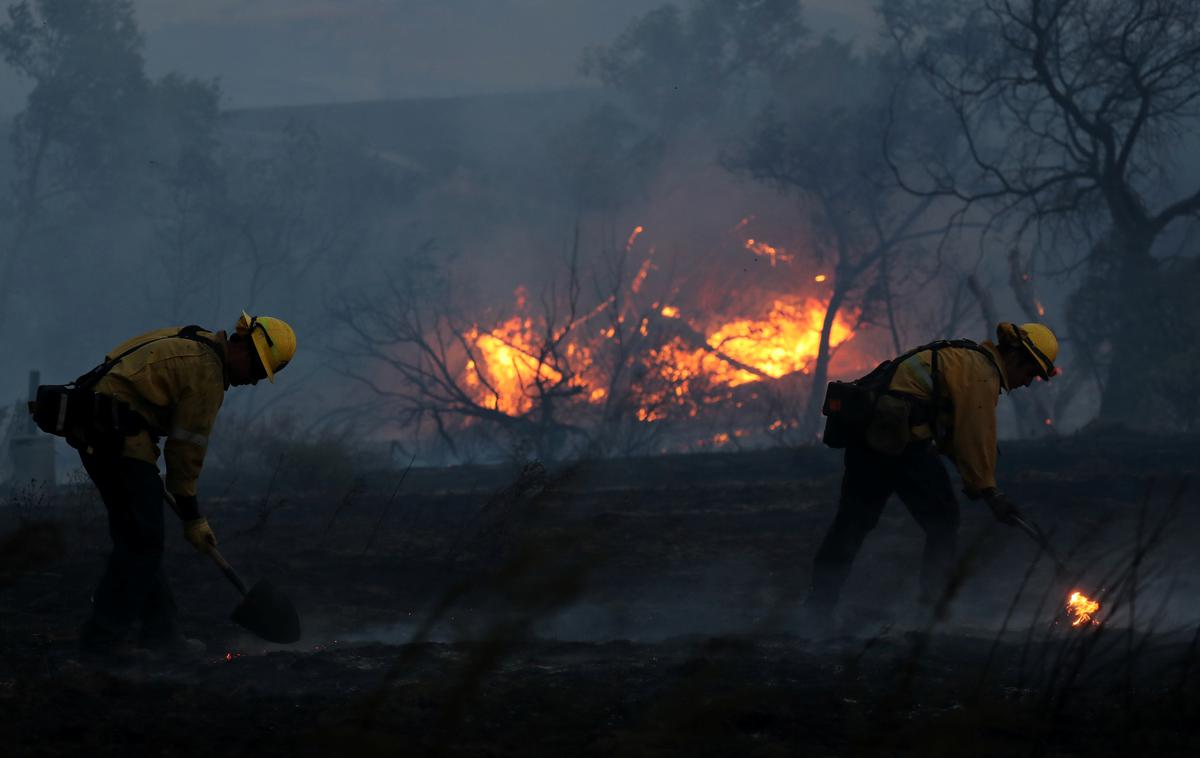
<point x="1074" y="113"/>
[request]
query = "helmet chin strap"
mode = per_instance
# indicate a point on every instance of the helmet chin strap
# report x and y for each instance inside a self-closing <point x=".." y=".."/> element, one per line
<point x="1014" y="335"/>
<point x="253" y="323"/>
<point x="1042" y="360"/>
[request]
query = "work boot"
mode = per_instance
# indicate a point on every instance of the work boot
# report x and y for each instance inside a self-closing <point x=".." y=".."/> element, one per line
<point x="99" y="645"/>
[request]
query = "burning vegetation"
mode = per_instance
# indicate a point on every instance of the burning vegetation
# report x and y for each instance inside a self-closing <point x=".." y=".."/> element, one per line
<point x="653" y="360"/>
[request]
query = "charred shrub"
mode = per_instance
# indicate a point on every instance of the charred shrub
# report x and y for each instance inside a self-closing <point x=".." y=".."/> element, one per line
<point x="38" y="538"/>
<point x="30" y="547"/>
<point x="280" y="454"/>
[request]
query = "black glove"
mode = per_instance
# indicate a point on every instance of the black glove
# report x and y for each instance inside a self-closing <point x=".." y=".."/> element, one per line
<point x="1005" y="510"/>
<point x="199" y="534"/>
<point x="187" y="507"/>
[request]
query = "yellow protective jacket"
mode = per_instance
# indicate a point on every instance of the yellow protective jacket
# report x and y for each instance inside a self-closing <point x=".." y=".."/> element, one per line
<point x="176" y="385"/>
<point x="970" y="387"/>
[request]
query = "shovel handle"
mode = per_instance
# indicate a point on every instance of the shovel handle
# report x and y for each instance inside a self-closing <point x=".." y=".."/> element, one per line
<point x="1040" y="538"/>
<point x="230" y="574"/>
<point x="213" y="553"/>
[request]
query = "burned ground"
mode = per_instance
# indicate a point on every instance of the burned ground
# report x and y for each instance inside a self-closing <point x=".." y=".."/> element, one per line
<point x="642" y="607"/>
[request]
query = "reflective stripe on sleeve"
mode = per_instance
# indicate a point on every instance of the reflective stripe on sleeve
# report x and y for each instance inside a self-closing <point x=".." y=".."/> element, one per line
<point x="183" y="435"/>
<point x="921" y="372"/>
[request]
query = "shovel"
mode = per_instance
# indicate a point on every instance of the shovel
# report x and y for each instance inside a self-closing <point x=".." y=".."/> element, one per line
<point x="1032" y="529"/>
<point x="265" y="610"/>
<point x="1039" y="537"/>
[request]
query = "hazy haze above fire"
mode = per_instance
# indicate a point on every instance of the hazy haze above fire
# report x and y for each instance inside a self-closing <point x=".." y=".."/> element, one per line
<point x="276" y="52"/>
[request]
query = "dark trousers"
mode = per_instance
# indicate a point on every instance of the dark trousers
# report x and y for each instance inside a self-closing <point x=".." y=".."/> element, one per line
<point x="919" y="478"/>
<point x="134" y="587"/>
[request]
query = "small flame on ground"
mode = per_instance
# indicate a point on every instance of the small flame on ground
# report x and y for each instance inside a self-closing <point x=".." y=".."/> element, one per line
<point x="670" y="311"/>
<point x="1082" y="609"/>
<point x="820" y="278"/>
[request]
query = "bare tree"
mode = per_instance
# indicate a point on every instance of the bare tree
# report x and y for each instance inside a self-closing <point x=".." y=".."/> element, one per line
<point x="187" y="242"/>
<point x="825" y="147"/>
<point x="685" y="66"/>
<point x="1073" y="113"/>
<point x="816" y="132"/>
<point x="79" y="126"/>
<point x="435" y="364"/>
<point x="97" y="138"/>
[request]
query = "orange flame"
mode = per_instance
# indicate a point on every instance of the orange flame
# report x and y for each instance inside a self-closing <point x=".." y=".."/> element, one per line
<point x="784" y="342"/>
<point x="769" y="251"/>
<point x="640" y="278"/>
<point x="1082" y="609"/>
<point x="688" y="367"/>
<point x="507" y="366"/>
<point x="509" y="362"/>
<point x="637" y="230"/>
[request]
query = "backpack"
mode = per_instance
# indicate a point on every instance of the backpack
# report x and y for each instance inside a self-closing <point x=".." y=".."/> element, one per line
<point x="91" y="420"/>
<point x="865" y="411"/>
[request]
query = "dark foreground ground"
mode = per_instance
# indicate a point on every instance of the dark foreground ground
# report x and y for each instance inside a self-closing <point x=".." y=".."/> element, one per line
<point x="636" y="608"/>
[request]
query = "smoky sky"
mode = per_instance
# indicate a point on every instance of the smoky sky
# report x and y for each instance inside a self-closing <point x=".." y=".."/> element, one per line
<point x="285" y="52"/>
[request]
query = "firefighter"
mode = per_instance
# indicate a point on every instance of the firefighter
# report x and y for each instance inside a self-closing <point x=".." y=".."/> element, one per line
<point x="952" y="411"/>
<point x="172" y="383"/>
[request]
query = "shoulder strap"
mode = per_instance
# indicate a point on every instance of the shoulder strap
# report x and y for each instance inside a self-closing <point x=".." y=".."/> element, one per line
<point x="192" y="332"/>
<point x="935" y="394"/>
<point x="189" y="332"/>
<point x="967" y="345"/>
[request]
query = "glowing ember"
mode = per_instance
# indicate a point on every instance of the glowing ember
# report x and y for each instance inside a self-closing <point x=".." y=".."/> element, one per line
<point x="637" y="230"/>
<point x="643" y="272"/>
<point x="820" y="278"/>
<point x="670" y="311"/>
<point x="1082" y="609"/>
<point x="769" y="251"/>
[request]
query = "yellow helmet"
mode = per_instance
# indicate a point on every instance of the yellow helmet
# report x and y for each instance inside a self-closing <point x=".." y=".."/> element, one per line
<point x="273" y="339"/>
<point x="1038" y="341"/>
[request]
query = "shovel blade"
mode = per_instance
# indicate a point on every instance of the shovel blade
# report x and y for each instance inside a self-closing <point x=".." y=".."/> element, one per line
<point x="268" y="613"/>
